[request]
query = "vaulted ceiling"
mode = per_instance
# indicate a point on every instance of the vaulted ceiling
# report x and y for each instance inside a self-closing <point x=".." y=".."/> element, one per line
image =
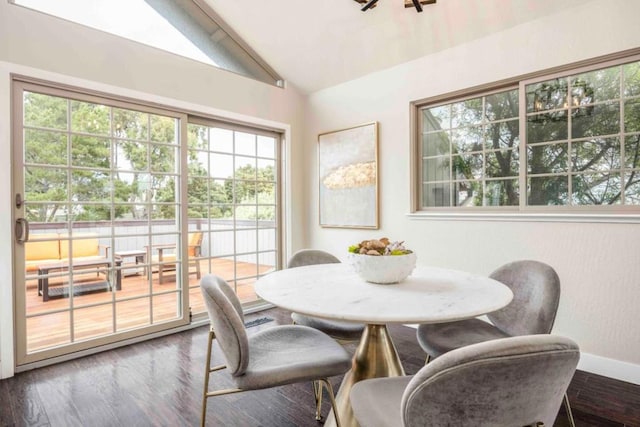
<point x="318" y="44"/>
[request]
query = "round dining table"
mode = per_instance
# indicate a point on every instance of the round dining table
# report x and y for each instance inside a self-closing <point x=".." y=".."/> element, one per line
<point x="335" y="291"/>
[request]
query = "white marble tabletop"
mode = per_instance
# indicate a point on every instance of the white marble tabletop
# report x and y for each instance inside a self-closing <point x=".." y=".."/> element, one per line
<point x="429" y="295"/>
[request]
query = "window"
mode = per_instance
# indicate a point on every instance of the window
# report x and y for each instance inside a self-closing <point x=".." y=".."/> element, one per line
<point x="571" y="141"/>
<point x="233" y="199"/>
<point x="470" y="152"/>
<point x="582" y="138"/>
<point x="124" y="206"/>
<point x="184" y="27"/>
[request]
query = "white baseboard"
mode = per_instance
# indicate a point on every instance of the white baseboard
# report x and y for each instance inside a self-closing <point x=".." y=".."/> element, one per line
<point x="623" y="371"/>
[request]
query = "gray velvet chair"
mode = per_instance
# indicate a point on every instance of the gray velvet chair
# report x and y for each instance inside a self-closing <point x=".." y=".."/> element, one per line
<point x="275" y="356"/>
<point x="536" y="295"/>
<point x="509" y="382"/>
<point x="346" y="331"/>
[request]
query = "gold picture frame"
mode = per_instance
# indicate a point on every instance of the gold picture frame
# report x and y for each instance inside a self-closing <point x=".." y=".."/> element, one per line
<point x="348" y="177"/>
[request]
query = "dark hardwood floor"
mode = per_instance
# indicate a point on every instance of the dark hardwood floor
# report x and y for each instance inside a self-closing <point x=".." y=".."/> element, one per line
<point x="159" y="383"/>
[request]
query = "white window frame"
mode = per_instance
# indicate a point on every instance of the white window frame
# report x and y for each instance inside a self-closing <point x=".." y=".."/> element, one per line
<point x="522" y="212"/>
<point x="210" y="122"/>
<point x="140" y="100"/>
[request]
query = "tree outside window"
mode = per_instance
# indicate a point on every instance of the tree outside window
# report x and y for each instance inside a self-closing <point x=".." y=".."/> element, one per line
<point x="582" y="135"/>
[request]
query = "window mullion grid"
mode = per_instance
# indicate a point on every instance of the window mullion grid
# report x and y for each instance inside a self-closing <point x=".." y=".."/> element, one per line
<point x="150" y="282"/>
<point x="485" y="123"/>
<point x="69" y="223"/>
<point x="278" y="220"/>
<point x="557" y="107"/>
<point x="255" y="183"/>
<point x="71" y="167"/>
<point x="523" y="163"/>
<point x="209" y="201"/>
<point x="113" y="169"/>
<point x="149" y="206"/>
<point x="570" y="171"/>
<point x="182" y="136"/>
<point x="623" y="139"/>
<point x="235" y="219"/>
<point x="452" y="183"/>
<point x="420" y="159"/>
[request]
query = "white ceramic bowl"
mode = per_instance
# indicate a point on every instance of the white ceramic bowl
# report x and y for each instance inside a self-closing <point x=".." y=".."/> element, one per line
<point x="385" y="269"/>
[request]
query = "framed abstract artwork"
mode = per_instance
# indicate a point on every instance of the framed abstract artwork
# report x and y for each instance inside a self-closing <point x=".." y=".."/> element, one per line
<point x="348" y="177"/>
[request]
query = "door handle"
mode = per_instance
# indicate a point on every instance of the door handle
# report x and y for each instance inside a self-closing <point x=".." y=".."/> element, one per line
<point x="22" y="230"/>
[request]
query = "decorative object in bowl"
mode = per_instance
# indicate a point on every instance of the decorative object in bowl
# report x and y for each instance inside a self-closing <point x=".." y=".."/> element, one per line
<point x="391" y="262"/>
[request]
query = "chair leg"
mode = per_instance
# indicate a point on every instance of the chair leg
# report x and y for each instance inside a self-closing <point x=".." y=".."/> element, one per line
<point x="567" y="408"/>
<point x="196" y="264"/>
<point x="317" y="394"/>
<point x="332" y="398"/>
<point x="207" y="373"/>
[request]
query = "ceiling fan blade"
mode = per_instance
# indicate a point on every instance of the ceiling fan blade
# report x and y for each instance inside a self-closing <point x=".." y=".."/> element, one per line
<point x="369" y="5"/>
<point x="411" y="3"/>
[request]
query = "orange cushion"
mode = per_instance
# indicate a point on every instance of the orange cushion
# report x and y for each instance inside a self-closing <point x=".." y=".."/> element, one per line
<point x="81" y="247"/>
<point x="195" y="239"/>
<point x="36" y="250"/>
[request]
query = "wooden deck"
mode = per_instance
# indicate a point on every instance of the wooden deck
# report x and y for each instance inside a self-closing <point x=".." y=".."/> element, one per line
<point x="138" y="304"/>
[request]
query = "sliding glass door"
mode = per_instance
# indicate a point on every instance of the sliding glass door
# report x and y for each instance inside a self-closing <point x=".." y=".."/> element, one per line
<point x="121" y="207"/>
<point x="233" y="203"/>
<point x="97" y="193"/>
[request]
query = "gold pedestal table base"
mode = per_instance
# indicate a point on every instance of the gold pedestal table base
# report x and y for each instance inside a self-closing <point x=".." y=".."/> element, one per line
<point x="375" y="357"/>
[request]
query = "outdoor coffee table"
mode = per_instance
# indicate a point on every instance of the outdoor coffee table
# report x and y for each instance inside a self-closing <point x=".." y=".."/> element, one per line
<point x="59" y="291"/>
<point x="139" y="260"/>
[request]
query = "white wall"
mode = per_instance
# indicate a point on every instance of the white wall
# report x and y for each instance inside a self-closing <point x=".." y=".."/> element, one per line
<point x="53" y="49"/>
<point x="598" y="263"/>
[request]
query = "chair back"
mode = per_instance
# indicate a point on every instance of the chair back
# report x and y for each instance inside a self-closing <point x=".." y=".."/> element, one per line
<point x="536" y="294"/>
<point x="195" y="242"/>
<point x="311" y="257"/>
<point x="518" y="381"/>
<point x="227" y="321"/>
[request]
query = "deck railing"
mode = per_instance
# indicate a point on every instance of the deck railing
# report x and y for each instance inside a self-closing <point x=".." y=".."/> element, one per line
<point x="242" y="238"/>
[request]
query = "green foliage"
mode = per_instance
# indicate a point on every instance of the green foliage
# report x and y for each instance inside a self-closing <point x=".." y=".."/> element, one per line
<point x="248" y="181"/>
<point x="45" y="111"/>
<point x="581" y="136"/>
<point x="129" y="158"/>
<point x="197" y="137"/>
<point x="263" y="211"/>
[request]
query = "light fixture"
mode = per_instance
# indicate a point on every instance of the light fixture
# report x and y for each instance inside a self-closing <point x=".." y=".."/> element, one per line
<point x="370" y="4"/>
<point x="551" y="97"/>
